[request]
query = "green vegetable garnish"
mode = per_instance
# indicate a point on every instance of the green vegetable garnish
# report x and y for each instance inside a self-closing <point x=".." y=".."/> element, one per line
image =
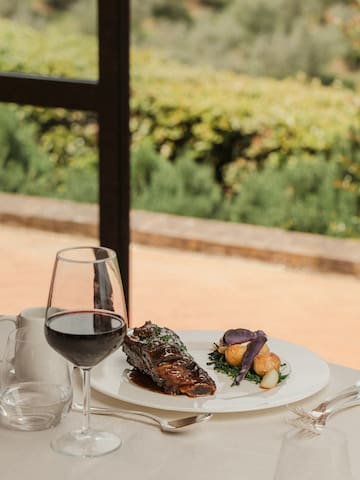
<point x="218" y="361"/>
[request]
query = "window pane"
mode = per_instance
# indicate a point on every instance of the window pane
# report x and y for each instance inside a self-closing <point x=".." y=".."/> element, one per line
<point x="49" y="152"/>
<point x="245" y="111"/>
<point x="49" y="37"/>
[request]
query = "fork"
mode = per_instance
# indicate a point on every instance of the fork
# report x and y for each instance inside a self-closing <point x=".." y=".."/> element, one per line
<point x="315" y="424"/>
<point x="346" y="393"/>
<point x="165" y="425"/>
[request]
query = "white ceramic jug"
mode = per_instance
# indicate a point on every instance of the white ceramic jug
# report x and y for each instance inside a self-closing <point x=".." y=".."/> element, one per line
<point x="30" y="327"/>
<point x="30" y="317"/>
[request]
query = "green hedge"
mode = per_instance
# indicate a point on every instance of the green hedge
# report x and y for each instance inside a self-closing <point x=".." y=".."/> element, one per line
<point x="67" y="139"/>
<point x="223" y="118"/>
<point x="47" y="52"/>
<point x="303" y="195"/>
<point x="181" y="188"/>
<point x="227" y="119"/>
<point x="23" y="166"/>
<point x="205" y="143"/>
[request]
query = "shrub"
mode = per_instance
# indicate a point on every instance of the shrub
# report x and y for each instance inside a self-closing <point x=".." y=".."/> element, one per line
<point x="66" y="140"/>
<point x="183" y="188"/>
<point x="172" y="11"/>
<point x="302" y="195"/>
<point x="47" y="52"/>
<point x="227" y="119"/>
<point x="205" y="143"/>
<point x="79" y="184"/>
<point x="26" y="168"/>
<point x="217" y="4"/>
<point x="272" y="38"/>
<point x="223" y="118"/>
<point x="23" y="166"/>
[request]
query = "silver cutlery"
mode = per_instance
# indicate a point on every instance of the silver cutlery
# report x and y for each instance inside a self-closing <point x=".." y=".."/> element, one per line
<point x="165" y="425"/>
<point x="315" y="423"/>
<point x="347" y="393"/>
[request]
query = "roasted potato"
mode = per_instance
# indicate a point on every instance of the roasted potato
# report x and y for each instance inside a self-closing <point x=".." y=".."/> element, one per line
<point x="234" y="354"/>
<point x="264" y="362"/>
<point x="221" y="349"/>
<point x="264" y="349"/>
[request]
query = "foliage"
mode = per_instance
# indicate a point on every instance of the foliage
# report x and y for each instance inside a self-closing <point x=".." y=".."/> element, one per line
<point x="217" y="4"/>
<point x="47" y="52"/>
<point x="277" y="147"/>
<point x="67" y="139"/>
<point x="348" y="20"/>
<point x="68" y="16"/>
<point x="348" y="157"/>
<point x="171" y="10"/>
<point x="302" y="195"/>
<point x="58" y="4"/>
<point x="23" y="166"/>
<point x="227" y="119"/>
<point x="204" y="143"/>
<point x="26" y="167"/>
<point x="305" y="194"/>
<point x="183" y="188"/>
<point x="273" y="38"/>
<point x="80" y="17"/>
<point x="262" y="37"/>
<point x="79" y="184"/>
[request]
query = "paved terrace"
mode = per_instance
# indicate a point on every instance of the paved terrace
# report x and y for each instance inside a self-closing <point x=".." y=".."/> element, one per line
<point x="196" y="274"/>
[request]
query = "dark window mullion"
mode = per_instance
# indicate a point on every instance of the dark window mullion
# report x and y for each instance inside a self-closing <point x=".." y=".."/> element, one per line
<point x="72" y="94"/>
<point x="114" y="130"/>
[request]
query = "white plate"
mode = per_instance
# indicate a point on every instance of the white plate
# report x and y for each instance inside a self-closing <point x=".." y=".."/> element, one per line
<point x="308" y="375"/>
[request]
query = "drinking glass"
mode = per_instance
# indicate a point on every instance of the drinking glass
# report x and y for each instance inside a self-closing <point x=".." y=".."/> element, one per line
<point x="308" y="456"/>
<point x="35" y="391"/>
<point x="86" y="321"/>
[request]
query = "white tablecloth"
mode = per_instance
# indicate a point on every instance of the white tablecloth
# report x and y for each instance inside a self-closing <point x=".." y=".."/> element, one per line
<point x="229" y="446"/>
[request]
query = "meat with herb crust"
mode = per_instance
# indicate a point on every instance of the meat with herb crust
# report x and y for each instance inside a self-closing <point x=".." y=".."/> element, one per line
<point x="160" y="353"/>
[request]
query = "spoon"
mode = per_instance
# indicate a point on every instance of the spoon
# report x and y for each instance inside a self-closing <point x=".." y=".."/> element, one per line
<point x="165" y="425"/>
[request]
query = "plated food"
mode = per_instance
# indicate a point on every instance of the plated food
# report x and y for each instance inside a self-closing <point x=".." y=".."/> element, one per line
<point x="307" y="375"/>
<point x="243" y="353"/>
<point x="160" y="353"/>
<point x="161" y="359"/>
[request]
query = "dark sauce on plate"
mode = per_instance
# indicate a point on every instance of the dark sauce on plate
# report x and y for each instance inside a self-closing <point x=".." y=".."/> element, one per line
<point x="145" y="381"/>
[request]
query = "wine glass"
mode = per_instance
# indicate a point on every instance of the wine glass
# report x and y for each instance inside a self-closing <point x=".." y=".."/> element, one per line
<point x="85" y="322"/>
<point x="308" y="456"/>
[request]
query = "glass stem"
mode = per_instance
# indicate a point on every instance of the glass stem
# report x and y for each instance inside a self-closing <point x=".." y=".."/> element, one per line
<point x="86" y="401"/>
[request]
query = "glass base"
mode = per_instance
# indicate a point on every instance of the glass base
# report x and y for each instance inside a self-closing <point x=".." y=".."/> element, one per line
<point x="90" y="444"/>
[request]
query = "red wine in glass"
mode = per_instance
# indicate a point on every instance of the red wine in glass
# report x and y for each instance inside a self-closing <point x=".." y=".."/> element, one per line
<point x="85" y="338"/>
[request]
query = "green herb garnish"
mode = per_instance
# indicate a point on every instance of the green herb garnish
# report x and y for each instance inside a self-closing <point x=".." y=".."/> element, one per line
<point x="165" y="338"/>
<point x="282" y="376"/>
<point x="218" y="361"/>
<point x="156" y="331"/>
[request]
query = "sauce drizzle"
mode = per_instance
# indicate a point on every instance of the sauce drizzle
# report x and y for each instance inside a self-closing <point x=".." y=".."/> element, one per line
<point x="145" y="381"/>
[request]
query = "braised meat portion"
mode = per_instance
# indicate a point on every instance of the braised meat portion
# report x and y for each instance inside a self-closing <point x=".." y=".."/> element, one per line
<point x="160" y="353"/>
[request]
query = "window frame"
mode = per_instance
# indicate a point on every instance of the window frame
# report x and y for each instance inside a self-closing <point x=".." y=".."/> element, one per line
<point x="109" y="98"/>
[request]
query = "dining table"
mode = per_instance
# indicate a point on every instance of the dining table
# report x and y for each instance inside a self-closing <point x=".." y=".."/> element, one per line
<point x="244" y="445"/>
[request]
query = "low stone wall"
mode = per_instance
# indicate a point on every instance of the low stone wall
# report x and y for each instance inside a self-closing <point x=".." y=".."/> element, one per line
<point x="209" y="236"/>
